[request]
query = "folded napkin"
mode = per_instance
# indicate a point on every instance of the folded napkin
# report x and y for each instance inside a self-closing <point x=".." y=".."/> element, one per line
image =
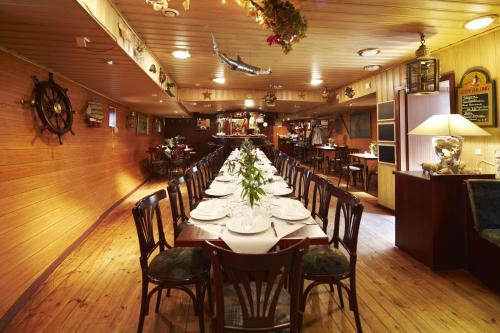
<point x="261" y="242"/>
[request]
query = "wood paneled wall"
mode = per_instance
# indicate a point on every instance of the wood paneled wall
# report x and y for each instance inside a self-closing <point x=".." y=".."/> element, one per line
<point x="50" y="193"/>
<point x="481" y="51"/>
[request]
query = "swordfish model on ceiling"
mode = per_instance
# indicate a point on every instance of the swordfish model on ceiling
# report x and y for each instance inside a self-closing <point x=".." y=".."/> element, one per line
<point x="238" y="64"/>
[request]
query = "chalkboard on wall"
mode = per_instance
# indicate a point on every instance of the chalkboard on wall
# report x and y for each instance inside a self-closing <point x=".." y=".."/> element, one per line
<point x="477" y="98"/>
<point x="386" y="132"/>
<point x="387" y="154"/>
<point x="385" y="111"/>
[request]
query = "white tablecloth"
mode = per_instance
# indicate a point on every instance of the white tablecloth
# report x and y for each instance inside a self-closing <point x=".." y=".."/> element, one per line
<point x="248" y="243"/>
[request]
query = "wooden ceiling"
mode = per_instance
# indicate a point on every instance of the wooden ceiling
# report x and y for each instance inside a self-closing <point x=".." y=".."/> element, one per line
<point x="45" y="31"/>
<point x="336" y="31"/>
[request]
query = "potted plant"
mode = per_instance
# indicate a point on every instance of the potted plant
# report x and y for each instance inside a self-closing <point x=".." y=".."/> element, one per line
<point x="252" y="177"/>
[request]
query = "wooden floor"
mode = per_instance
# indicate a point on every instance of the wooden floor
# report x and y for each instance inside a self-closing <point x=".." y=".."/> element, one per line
<point x="97" y="288"/>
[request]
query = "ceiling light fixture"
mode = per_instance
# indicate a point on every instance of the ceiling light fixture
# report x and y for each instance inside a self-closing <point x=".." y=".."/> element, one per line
<point x="249" y="103"/>
<point x="181" y="54"/>
<point x="480" y="22"/>
<point x="109" y="62"/>
<point x="372" y="68"/>
<point x="316" y="81"/>
<point x="161" y="101"/>
<point x="219" y="80"/>
<point x="369" y="52"/>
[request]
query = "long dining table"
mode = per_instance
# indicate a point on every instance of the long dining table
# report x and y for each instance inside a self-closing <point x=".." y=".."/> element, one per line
<point x="196" y="232"/>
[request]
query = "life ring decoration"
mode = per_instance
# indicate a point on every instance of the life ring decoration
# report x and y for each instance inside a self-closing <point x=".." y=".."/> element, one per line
<point x="53" y="107"/>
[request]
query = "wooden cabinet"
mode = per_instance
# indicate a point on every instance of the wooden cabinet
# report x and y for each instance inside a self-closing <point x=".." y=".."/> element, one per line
<point x="430" y="217"/>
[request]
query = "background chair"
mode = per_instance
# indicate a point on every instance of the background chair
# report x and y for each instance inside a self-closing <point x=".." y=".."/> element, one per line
<point x="346" y="169"/>
<point x="482" y="218"/>
<point x="254" y="300"/>
<point x="194" y="187"/>
<point x="171" y="268"/>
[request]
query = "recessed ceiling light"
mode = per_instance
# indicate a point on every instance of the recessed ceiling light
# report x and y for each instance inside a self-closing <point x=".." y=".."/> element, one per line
<point x="219" y="80"/>
<point x="480" y="22"/>
<point x="316" y="82"/>
<point x="249" y="103"/>
<point x="181" y="54"/>
<point x="370" y="52"/>
<point x="109" y="62"/>
<point x="154" y="95"/>
<point x="372" y="68"/>
<point x="161" y="101"/>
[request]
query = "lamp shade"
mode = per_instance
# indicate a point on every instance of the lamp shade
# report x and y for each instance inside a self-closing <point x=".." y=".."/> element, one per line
<point x="448" y="124"/>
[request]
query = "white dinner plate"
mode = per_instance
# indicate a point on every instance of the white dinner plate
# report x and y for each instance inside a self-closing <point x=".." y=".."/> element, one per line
<point x="224" y="178"/>
<point x="241" y="226"/>
<point x="282" y="191"/>
<point x="220" y="191"/>
<point x="296" y="214"/>
<point x="209" y="215"/>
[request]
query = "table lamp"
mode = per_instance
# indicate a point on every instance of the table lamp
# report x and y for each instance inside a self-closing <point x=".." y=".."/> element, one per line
<point x="448" y="131"/>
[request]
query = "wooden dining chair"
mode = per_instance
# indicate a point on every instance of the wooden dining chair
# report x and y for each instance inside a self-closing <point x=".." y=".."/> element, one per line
<point x="288" y="169"/>
<point x="204" y="173"/>
<point x="179" y="216"/>
<point x="320" y="199"/>
<point x="303" y="179"/>
<point x="171" y="268"/>
<point x="254" y="298"/>
<point x="194" y="187"/>
<point x="347" y="170"/>
<point x="334" y="263"/>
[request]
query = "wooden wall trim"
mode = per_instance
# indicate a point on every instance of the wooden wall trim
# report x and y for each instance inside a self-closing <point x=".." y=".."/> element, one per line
<point x="31" y="290"/>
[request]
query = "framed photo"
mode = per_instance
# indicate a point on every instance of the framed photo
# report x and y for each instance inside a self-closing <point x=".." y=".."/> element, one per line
<point x="360" y="124"/>
<point x="142" y="124"/>
<point x="203" y="124"/>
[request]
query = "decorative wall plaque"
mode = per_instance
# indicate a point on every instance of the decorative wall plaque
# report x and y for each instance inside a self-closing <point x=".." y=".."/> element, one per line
<point x="477" y="98"/>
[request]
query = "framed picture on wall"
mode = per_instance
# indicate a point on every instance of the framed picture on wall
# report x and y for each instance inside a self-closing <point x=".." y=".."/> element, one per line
<point x="360" y="125"/>
<point x="142" y="124"/>
<point x="387" y="132"/>
<point x="203" y="124"/>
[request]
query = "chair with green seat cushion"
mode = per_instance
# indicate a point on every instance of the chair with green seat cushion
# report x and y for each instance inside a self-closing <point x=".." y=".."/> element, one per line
<point x="337" y="262"/>
<point x="325" y="259"/>
<point x="483" y="230"/>
<point x="171" y="268"/>
<point x="249" y="289"/>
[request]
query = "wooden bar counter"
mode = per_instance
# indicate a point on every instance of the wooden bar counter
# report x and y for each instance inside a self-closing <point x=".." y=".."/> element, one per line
<point x="430" y="217"/>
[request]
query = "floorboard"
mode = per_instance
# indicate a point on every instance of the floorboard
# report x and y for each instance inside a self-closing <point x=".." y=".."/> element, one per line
<point x="97" y="288"/>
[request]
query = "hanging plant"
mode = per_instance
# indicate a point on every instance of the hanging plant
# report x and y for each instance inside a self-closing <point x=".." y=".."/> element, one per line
<point x="285" y="21"/>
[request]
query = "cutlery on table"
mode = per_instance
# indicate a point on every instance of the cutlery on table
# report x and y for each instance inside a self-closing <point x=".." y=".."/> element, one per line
<point x="274" y="229"/>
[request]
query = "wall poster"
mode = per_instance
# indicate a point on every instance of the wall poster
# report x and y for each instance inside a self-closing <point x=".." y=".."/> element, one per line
<point x="477" y="98"/>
